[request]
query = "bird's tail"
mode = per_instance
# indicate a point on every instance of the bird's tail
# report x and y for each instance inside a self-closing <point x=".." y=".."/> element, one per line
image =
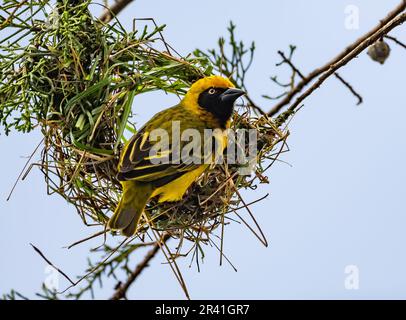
<point x="128" y="212"/>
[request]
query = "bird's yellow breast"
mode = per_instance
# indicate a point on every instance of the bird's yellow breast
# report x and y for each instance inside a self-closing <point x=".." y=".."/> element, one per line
<point x="174" y="190"/>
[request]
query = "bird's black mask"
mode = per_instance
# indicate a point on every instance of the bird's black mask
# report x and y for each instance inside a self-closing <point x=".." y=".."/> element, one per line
<point x="220" y="102"/>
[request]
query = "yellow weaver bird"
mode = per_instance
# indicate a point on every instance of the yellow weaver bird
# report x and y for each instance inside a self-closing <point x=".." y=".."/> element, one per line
<point x="208" y="104"/>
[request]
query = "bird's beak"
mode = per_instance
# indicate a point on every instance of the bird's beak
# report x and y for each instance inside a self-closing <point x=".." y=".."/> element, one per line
<point x="231" y="94"/>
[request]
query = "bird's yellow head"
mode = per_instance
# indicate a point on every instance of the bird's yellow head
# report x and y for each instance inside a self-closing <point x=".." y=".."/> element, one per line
<point x="212" y="96"/>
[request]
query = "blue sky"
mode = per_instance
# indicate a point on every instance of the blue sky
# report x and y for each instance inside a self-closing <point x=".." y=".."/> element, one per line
<point x="340" y="203"/>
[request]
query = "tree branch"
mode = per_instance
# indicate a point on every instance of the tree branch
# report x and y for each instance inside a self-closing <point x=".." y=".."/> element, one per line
<point x="343" y="81"/>
<point x="122" y="289"/>
<point x="350" y="49"/>
<point x="109" y="13"/>
<point x="337" y="65"/>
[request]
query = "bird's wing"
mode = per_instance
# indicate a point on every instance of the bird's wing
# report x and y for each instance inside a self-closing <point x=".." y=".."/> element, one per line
<point x="147" y="161"/>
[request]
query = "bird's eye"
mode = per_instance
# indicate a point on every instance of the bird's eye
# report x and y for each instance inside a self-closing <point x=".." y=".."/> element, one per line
<point x="212" y="91"/>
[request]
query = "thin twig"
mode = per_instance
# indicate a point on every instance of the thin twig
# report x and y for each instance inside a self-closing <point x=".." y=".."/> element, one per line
<point x="172" y="263"/>
<point x="96" y="267"/>
<point x="122" y="289"/>
<point x="223" y="255"/>
<point x="261" y="237"/>
<point x="51" y="264"/>
<point x="11" y="16"/>
<point x="350" y="87"/>
<point x="342" y="80"/>
<point x="254" y="106"/>
<point x="396" y="41"/>
<point x="23" y="170"/>
<point x="291" y="65"/>
<point x="88" y="238"/>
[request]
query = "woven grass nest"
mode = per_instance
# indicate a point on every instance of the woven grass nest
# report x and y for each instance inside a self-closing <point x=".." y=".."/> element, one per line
<point x="75" y="79"/>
